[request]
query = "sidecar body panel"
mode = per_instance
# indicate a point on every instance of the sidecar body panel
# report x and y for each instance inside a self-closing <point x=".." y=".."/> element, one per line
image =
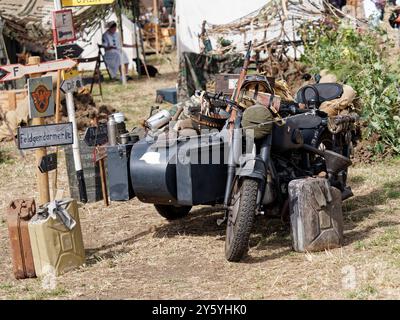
<point x="190" y="172"/>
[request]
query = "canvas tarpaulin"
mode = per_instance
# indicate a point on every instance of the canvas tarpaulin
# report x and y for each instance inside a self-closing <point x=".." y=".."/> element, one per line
<point x="191" y="14"/>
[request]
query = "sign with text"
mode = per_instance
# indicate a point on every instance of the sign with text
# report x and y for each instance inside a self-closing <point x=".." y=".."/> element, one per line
<point x="71" y="85"/>
<point x="48" y="163"/>
<point x="45" y="136"/>
<point x="17" y="71"/>
<point x="69" y="74"/>
<point x="77" y="3"/>
<point x="95" y="136"/>
<point x="63" y="26"/>
<point x="72" y="51"/>
<point x="41" y="97"/>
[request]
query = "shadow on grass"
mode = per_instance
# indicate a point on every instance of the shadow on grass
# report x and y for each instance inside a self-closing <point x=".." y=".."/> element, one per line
<point x="359" y="208"/>
<point x="95" y="255"/>
<point x="270" y="235"/>
<point x="366" y="204"/>
<point x="267" y="234"/>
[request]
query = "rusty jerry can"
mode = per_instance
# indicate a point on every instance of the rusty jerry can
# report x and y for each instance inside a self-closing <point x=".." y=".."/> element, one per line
<point x="19" y="213"/>
<point x="315" y="214"/>
<point x="56" y="248"/>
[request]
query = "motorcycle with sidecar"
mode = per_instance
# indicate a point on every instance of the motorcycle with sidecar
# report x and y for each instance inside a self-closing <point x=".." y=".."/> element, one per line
<point x="247" y="169"/>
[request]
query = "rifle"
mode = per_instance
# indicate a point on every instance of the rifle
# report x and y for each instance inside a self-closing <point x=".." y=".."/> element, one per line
<point x="234" y="141"/>
<point x="239" y="84"/>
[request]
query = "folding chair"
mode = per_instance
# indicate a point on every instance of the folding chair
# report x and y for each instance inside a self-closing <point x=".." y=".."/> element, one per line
<point x="96" y="73"/>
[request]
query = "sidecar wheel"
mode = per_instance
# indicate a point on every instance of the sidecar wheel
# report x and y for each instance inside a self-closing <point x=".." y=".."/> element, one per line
<point x="170" y="212"/>
<point x="241" y="217"/>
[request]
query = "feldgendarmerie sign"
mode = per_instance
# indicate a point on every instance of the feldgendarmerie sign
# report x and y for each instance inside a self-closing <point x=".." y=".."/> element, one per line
<point x="45" y="136"/>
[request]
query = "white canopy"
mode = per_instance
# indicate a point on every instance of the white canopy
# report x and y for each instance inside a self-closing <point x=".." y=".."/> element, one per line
<point x="190" y="15"/>
<point x="90" y="41"/>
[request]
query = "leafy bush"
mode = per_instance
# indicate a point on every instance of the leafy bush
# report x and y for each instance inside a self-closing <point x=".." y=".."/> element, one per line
<point x="361" y="59"/>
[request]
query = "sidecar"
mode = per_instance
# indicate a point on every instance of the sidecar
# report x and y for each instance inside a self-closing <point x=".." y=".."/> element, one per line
<point x="179" y="172"/>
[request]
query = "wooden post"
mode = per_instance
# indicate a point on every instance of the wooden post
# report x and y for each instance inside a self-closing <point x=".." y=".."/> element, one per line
<point x="12" y="100"/>
<point x="42" y="178"/>
<point x="157" y="27"/>
<point x="104" y="182"/>
<point x="57" y="120"/>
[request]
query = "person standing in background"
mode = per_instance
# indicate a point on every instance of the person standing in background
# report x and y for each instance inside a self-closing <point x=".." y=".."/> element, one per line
<point x="168" y="9"/>
<point x="114" y="55"/>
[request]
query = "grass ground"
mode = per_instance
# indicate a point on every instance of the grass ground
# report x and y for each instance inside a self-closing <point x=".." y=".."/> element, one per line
<point x="133" y="253"/>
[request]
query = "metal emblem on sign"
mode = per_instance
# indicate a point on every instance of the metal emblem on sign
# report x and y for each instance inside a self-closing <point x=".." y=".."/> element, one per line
<point x="41" y="99"/>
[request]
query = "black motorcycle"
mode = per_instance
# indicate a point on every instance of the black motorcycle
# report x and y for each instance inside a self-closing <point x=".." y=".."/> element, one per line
<point x="247" y="178"/>
<point x="305" y="144"/>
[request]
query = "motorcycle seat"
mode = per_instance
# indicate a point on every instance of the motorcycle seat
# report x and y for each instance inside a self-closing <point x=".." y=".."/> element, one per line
<point x="319" y="93"/>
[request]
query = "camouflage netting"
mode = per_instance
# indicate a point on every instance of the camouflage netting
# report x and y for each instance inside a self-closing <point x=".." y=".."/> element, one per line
<point x="29" y="22"/>
<point x="197" y="71"/>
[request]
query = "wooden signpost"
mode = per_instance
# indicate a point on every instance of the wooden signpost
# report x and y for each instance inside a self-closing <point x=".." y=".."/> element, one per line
<point x="39" y="136"/>
<point x="78" y="3"/>
<point x="95" y="136"/>
<point x="17" y="71"/>
<point x="41" y="97"/>
<point x="48" y="163"/>
<point x="64" y="32"/>
<point x="63" y="27"/>
<point x="71" y="85"/>
<point x="72" y="51"/>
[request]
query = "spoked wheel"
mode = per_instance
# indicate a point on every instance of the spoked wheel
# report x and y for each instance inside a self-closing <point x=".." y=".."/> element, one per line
<point x="241" y="217"/>
<point x="171" y="212"/>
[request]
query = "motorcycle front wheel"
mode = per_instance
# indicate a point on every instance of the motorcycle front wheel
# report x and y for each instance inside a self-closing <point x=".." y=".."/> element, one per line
<point x="241" y="216"/>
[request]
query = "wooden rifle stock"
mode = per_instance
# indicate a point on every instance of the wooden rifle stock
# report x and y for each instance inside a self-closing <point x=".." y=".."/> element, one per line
<point x="242" y="78"/>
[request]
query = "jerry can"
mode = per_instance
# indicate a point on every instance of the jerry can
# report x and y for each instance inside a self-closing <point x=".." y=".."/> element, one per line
<point x="55" y="244"/>
<point x="18" y="214"/>
<point x="315" y="214"/>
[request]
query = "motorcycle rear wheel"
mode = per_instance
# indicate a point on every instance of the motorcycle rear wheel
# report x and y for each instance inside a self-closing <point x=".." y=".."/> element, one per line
<point x="241" y="218"/>
<point x="171" y="212"/>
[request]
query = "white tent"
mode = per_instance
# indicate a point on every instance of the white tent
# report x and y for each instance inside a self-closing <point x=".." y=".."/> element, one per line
<point x="90" y="41"/>
<point x="190" y="15"/>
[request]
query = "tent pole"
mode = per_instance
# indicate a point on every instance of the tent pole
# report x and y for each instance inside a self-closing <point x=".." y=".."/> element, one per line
<point x="135" y="14"/>
<point x="155" y="14"/>
<point x="121" y="38"/>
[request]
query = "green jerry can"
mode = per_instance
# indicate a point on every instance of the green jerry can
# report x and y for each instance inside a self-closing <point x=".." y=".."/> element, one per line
<point x="56" y="238"/>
